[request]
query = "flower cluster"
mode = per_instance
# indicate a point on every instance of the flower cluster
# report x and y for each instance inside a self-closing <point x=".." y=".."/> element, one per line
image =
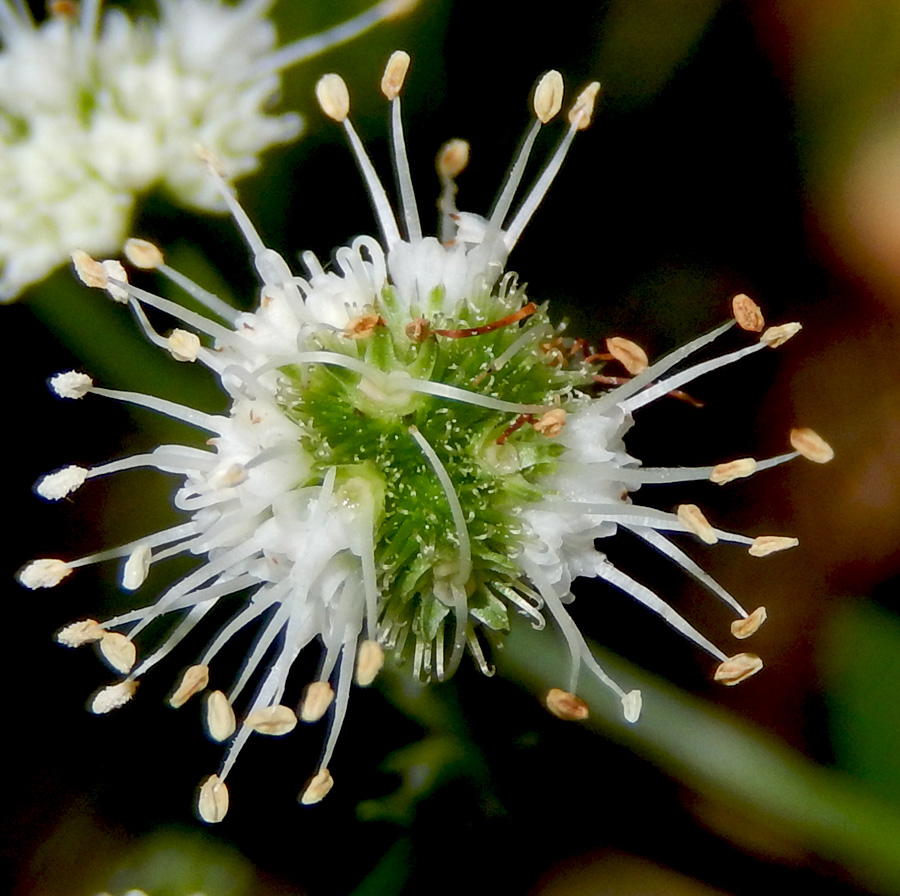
<point x="412" y="454"/>
<point x="90" y="116"/>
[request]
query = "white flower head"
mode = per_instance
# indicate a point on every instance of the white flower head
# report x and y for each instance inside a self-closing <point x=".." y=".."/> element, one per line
<point x="94" y="111"/>
<point x="412" y="453"/>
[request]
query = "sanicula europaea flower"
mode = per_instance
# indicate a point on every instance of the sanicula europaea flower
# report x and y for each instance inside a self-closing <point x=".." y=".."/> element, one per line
<point x="412" y="453"/>
<point x="95" y="110"/>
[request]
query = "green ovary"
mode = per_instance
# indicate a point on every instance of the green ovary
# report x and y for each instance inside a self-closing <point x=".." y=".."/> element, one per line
<point x="364" y="431"/>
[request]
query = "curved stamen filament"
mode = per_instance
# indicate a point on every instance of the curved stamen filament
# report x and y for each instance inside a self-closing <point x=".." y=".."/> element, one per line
<point x="515" y="317"/>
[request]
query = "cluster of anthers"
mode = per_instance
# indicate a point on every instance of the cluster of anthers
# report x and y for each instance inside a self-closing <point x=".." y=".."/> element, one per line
<point x="412" y="453"/>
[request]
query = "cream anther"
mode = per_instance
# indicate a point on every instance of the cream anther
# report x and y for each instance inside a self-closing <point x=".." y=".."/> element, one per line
<point x="71" y="384"/>
<point x="183" y="345"/>
<point x="115" y="270"/>
<point x="565" y="705"/>
<point x="55" y="486"/>
<point x="394" y="74"/>
<point x="369" y="661"/>
<point x="118" y="651"/>
<point x="738" y="668"/>
<point x="333" y="97"/>
<point x="743" y="628"/>
<point x="747" y="313"/>
<point x="87" y="631"/>
<point x="629" y="354"/>
<point x="113" y="696"/>
<point x="631" y="706"/>
<point x="548" y="96"/>
<point x="45" y="573"/>
<point x="194" y="680"/>
<point x="90" y="271"/>
<point x="811" y="445"/>
<point x="212" y="800"/>
<point x="272" y="720"/>
<point x="220" y="720"/>
<point x="733" y="469"/>
<point x="581" y="112"/>
<point x="143" y="254"/>
<point x="776" y="336"/>
<point x="770" y="544"/>
<point x="453" y="158"/>
<point x="692" y="517"/>
<point x="551" y="423"/>
<point x="136" y="568"/>
<point x="318" y="788"/>
<point x="319" y="696"/>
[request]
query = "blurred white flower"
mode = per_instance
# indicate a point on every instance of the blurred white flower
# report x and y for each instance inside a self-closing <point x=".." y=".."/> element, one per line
<point x="412" y="452"/>
<point x="95" y="111"/>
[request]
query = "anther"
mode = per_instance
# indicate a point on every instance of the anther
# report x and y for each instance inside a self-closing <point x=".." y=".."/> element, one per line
<point x="770" y="544"/>
<point x="64" y="9"/>
<point x="212" y="800"/>
<point x="811" y="445"/>
<point x="194" y="680"/>
<point x="551" y="423"/>
<point x="363" y="325"/>
<point x="319" y="696"/>
<point x="113" y="696"/>
<point x="89" y="271"/>
<point x="87" y="631"/>
<point x="694" y="520"/>
<point x="71" y="384"/>
<point x="452" y="159"/>
<point x="333" y="97"/>
<point x="738" y="668"/>
<point x="209" y="158"/>
<point x="566" y="706"/>
<point x="318" y="788"/>
<point x="136" y="568"/>
<point x="631" y="706"/>
<point x="219" y="717"/>
<point x="418" y="330"/>
<point x="743" y="628"/>
<point x="629" y="354"/>
<point x="733" y="469"/>
<point x="44" y="573"/>
<point x="394" y="74"/>
<point x="118" y="651"/>
<point x="581" y="112"/>
<point x="143" y="254"/>
<point x="272" y="720"/>
<point x="369" y="661"/>
<point x="183" y="345"/>
<point x="776" y="336"/>
<point x="548" y="96"/>
<point x="55" y="486"/>
<point x="747" y="313"/>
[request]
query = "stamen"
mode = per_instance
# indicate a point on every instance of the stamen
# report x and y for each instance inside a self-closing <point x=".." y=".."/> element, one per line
<point x="391" y="85"/>
<point x="80" y="633"/>
<point x="515" y="317"/>
<point x="743" y="628"/>
<point x="319" y="696"/>
<point x="450" y="163"/>
<point x="551" y="423"/>
<point x="45" y="573"/>
<point x="696" y="522"/>
<point x="629" y="354"/>
<point x="219" y="717"/>
<point x="212" y="800"/>
<point x="811" y="445"/>
<point x="118" y="651"/>
<point x="274" y="721"/>
<point x="317" y="788"/>
<point x="63" y="482"/>
<point x="747" y="313"/>
<point x="113" y="696"/>
<point x="771" y="544"/>
<point x="566" y="706"/>
<point x="194" y="680"/>
<point x="733" y="469"/>
<point x="777" y="336"/>
<point x="738" y="668"/>
<point x="369" y="661"/>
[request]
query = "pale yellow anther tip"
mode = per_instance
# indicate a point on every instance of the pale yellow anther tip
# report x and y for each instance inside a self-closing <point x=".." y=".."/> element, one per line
<point x="583" y="109"/>
<point x="631" y="706"/>
<point x="394" y="74"/>
<point x="333" y="96"/>
<point x="693" y="519"/>
<point x="565" y="705"/>
<point x="183" y="345"/>
<point x="733" y="469"/>
<point x="44" y="573"/>
<point x="212" y="800"/>
<point x="318" y="788"/>
<point x="776" y="336"/>
<point x="738" y="668"/>
<point x="548" y="96"/>
<point x="118" y="651"/>
<point x="551" y="423"/>
<point x="743" y="628"/>
<point x="629" y="354"/>
<point x="143" y="254"/>
<point x="319" y="696"/>
<point x="369" y="661"/>
<point x="747" y="313"/>
<point x="811" y="445"/>
<point x="194" y="680"/>
<point x="219" y="717"/>
<point x="90" y="271"/>
<point x="362" y="326"/>
<point x="764" y="545"/>
<point x="77" y="634"/>
<point x="452" y="158"/>
<point x="113" y="696"/>
<point x="274" y="721"/>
